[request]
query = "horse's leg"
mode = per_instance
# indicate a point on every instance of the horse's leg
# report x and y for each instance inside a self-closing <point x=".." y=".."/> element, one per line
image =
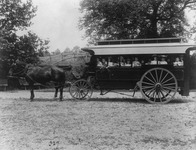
<point x="32" y="92"/>
<point x="61" y="93"/>
<point x="56" y="91"/>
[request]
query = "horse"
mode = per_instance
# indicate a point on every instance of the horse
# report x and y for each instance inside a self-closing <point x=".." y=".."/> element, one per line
<point x="40" y="74"/>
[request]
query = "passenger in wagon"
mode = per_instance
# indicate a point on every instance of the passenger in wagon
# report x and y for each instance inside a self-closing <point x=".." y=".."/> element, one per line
<point x="110" y="63"/>
<point x="154" y="61"/>
<point x="181" y="60"/>
<point x="136" y="63"/>
<point x="128" y="63"/>
<point x="178" y="62"/>
<point x="122" y="61"/>
<point x="99" y="63"/>
<point x="104" y="63"/>
<point x="148" y="62"/>
<point x="163" y="61"/>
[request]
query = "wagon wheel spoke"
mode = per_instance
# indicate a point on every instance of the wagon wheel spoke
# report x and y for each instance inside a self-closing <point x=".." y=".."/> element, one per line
<point x="149" y="79"/>
<point x="162" y="93"/>
<point x="147" y="83"/>
<point x="164" y="77"/>
<point x="75" y="95"/>
<point x="169" y="84"/>
<point x="160" y="77"/>
<point x="153" y="96"/>
<point x="156" y="75"/>
<point x="83" y="93"/>
<point x="153" y="77"/>
<point x="158" y="85"/>
<point x="147" y="87"/>
<point x="168" y="93"/>
<point x="169" y="88"/>
<point x="149" y="90"/>
<point x="159" y="96"/>
<point x="167" y="80"/>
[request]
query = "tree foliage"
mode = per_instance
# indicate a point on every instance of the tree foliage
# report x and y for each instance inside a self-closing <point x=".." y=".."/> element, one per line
<point x="16" y="15"/>
<point x="123" y="19"/>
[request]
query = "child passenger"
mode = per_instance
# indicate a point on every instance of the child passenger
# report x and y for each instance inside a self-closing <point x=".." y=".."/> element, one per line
<point x="110" y="63"/>
<point x="99" y="63"/>
<point x="163" y="61"/>
<point x="178" y="62"/>
<point x="128" y="63"/>
<point x="136" y="63"/>
<point x="154" y="61"/>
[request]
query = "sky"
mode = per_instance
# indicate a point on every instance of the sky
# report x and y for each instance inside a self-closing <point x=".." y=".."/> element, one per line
<point x="57" y="20"/>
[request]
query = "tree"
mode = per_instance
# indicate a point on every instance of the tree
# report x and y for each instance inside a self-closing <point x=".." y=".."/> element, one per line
<point x="29" y="47"/>
<point x="67" y="50"/>
<point x="56" y="52"/>
<point x="76" y="49"/>
<point x="16" y="15"/>
<point x="124" y="19"/>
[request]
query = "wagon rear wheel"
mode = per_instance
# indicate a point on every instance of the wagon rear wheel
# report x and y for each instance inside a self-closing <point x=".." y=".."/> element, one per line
<point x="158" y="85"/>
<point x="81" y="90"/>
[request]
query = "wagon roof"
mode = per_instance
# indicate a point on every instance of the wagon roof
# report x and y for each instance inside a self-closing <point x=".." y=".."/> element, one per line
<point x="150" y="48"/>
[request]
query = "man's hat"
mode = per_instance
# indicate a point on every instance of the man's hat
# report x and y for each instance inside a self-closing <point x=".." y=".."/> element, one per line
<point x="163" y="56"/>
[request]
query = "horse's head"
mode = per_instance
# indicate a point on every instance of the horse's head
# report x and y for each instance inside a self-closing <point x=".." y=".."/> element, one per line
<point x="17" y="69"/>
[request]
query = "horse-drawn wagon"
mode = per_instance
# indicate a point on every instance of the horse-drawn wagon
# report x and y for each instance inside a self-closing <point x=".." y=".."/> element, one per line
<point x="159" y="68"/>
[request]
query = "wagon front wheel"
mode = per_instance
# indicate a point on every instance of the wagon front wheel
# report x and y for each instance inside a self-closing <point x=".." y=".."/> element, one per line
<point x="158" y="85"/>
<point x="81" y="90"/>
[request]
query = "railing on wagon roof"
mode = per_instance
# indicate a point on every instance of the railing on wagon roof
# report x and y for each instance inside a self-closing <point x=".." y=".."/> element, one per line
<point x="142" y="41"/>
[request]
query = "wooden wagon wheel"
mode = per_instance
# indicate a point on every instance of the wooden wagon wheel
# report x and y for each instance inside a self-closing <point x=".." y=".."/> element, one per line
<point x="158" y="85"/>
<point x="81" y="90"/>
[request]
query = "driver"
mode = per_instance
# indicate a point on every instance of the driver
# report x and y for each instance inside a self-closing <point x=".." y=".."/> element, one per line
<point x="92" y="64"/>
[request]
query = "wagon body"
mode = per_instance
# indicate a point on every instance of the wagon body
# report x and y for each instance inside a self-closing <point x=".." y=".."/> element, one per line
<point x="175" y="78"/>
<point x="126" y="78"/>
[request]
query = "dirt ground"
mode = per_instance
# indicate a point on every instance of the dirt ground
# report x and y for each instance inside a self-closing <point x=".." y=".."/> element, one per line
<point x="110" y="122"/>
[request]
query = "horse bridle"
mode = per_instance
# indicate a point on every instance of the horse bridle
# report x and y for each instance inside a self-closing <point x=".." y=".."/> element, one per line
<point x="20" y="72"/>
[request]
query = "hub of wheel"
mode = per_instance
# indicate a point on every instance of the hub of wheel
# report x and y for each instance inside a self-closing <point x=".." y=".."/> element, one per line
<point x="81" y="91"/>
<point x="158" y="87"/>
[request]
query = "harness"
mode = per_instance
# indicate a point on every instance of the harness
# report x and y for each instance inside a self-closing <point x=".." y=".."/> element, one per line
<point x="23" y="71"/>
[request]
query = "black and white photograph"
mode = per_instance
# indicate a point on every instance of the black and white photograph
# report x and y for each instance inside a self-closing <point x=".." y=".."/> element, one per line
<point x="97" y="74"/>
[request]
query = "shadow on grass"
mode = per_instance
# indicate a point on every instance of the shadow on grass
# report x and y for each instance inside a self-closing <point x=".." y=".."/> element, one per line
<point x="126" y="100"/>
<point x="139" y="100"/>
<point x="129" y="100"/>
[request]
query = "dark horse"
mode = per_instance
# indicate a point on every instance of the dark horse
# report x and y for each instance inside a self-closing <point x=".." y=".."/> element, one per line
<point x="40" y="74"/>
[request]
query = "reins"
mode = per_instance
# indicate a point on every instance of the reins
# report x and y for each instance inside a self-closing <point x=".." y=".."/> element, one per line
<point x="48" y="82"/>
